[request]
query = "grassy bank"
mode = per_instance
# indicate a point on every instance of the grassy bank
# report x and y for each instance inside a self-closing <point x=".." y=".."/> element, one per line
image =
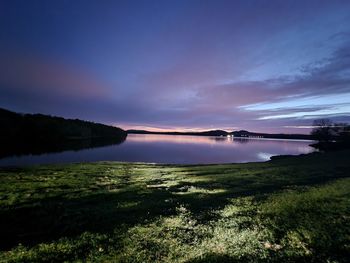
<point x="291" y="209"/>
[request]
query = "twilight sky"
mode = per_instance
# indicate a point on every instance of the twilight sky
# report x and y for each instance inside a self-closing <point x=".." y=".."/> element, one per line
<point x="271" y="66"/>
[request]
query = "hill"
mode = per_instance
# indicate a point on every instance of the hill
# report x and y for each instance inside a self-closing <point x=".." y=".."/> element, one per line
<point x="36" y="133"/>
<point x="241" y="133"/>
<point x="204" y="133"/>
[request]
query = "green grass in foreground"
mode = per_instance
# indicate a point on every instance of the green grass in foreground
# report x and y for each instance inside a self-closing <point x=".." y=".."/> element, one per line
<point x="287" y="210"/>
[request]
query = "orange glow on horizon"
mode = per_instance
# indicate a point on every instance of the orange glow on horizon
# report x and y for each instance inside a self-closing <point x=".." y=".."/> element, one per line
<point x="178" y="139"/>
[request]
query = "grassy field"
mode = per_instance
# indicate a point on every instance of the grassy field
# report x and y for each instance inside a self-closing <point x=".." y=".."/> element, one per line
<point x="294" y="209"/>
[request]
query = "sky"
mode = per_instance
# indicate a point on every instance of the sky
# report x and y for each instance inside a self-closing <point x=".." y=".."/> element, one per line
<point x="269" y="66"/>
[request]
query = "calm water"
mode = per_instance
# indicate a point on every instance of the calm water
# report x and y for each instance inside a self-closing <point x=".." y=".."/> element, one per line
<point x="173" y="149"/>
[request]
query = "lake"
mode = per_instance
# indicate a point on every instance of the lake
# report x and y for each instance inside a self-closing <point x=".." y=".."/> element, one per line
<point x="173" y="149"/>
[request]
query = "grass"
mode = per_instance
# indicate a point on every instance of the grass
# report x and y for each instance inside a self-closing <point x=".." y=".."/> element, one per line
<point x="293" y="209"/>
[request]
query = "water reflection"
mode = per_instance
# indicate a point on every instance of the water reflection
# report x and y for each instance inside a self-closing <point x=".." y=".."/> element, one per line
<point x="174" y="149"/>
<point x="265" y="156"/>
<point x="240" y="140"/>
<point x="10" y="148"/>
<point x="178" y="139"/>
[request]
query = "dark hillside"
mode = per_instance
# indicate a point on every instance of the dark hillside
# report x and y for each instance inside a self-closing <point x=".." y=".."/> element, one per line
<point x="204" y="133"/>
<point x="35" y="133"/>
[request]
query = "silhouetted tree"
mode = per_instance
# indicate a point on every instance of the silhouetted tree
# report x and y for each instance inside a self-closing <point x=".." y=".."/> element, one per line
<point x="343" y="132"/>
<point x="325" y="130"/>
<point x="322" y="130"/>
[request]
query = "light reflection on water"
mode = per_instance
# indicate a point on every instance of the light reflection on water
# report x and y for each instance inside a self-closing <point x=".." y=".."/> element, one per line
<point x="175" y="149"/>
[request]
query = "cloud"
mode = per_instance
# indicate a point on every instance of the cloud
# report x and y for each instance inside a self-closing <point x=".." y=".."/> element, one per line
<point x="245" y="64"/>
<point x="321" y="91"/>
<point x="42" y="76"/>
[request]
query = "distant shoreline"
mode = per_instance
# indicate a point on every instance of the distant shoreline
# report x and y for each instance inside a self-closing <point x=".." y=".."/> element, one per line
<point x="235" y="134"/>
<point x="243" y="138"/>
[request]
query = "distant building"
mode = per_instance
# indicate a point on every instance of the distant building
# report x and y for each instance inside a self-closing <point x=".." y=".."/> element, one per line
<point x="246" y="134"/>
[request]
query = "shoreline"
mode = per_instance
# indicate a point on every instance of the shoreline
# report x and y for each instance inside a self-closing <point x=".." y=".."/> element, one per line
<point x="105" y="211"/>
<point x="274" y="157"/>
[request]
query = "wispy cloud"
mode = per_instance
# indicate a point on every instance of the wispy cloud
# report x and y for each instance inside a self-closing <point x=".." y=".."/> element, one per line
<point x="264" y="66"/>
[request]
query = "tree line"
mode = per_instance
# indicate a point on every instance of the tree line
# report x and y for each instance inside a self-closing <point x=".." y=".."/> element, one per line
<point x="325" y="130"/>
<point x="36" y="133"/>
<point x="331" y="135"/>
<point x="47" y="128"/>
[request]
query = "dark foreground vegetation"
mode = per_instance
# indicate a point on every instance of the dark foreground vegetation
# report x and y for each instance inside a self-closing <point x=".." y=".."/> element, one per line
<point x="293" y="209"/>
<point x="37" y="133"/>
<point x="331" y="136"/>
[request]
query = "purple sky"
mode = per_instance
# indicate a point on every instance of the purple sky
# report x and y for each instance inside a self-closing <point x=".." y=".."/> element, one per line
<point x="271" y="66"/>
